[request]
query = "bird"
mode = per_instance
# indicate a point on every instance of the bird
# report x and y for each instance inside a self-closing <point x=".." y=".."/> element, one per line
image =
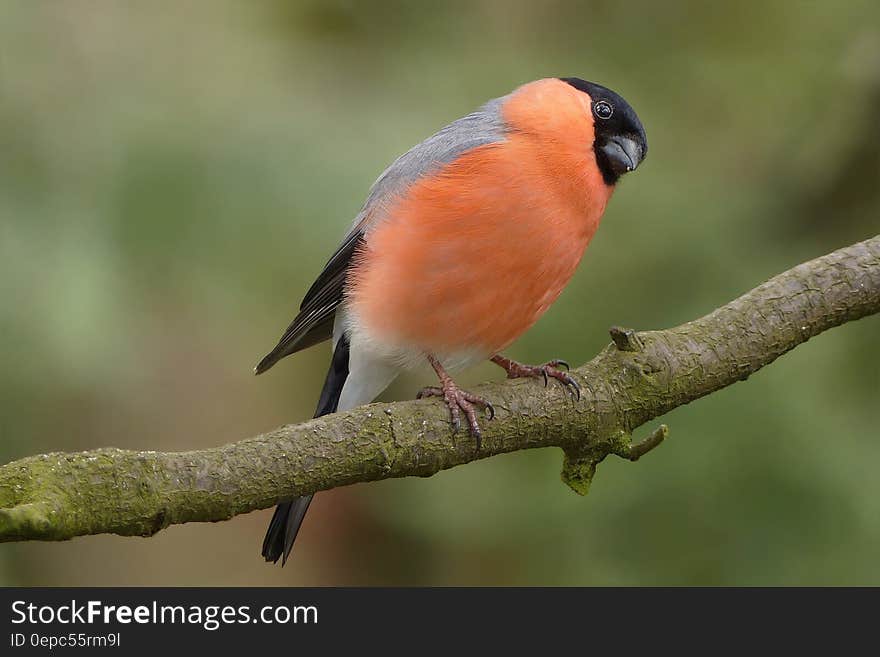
<point x="462" y="244"/>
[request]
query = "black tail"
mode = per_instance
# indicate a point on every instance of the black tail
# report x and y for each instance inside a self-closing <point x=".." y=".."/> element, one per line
<point x="288" y="516"/>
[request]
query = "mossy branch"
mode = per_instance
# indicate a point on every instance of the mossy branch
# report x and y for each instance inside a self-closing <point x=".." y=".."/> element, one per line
<point x="638" y="377"/>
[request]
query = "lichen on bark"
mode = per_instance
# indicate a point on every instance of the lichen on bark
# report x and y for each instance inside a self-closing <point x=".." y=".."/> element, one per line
<point x="638" y="377"/>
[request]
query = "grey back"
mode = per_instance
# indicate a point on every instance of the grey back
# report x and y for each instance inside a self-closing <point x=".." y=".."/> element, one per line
<point x="484" y="126"/>
<point x="314" y="322"/>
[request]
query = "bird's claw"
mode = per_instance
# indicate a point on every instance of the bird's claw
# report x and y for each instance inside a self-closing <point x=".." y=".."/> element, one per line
<point x="549" y="369"/>
<point x="458" y="400"/>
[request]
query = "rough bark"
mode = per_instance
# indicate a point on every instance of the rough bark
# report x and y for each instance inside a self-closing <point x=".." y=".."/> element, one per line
<point x="638" y="377"/>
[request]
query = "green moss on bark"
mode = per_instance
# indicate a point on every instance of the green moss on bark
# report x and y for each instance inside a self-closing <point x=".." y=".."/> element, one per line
<point x="59" y="496"/>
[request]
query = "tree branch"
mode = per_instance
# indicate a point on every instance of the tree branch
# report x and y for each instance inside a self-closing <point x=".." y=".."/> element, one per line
<point x="638" y="377"/>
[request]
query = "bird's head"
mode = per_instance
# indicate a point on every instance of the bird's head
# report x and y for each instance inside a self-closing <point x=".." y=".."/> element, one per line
<point x="619" y="142"/>
<point x="570" y="118"/>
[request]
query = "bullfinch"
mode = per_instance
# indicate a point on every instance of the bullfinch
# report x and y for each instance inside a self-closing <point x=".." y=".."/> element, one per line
<point x="462" y="244"/>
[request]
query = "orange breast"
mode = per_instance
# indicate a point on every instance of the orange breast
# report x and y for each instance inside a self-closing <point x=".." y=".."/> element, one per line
<point x="471" y="257"/>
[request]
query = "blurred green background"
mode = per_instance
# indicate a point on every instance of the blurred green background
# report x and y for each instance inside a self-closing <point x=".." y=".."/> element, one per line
<point x="173" y="175"/>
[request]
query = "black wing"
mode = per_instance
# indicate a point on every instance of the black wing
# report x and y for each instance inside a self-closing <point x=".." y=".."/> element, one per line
<point x="314" y="322"/>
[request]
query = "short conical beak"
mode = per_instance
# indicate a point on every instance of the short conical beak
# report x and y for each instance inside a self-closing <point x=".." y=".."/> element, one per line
<point x="624" y="154"/>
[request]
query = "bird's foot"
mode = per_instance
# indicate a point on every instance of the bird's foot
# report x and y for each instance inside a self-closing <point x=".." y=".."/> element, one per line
<point x="459" y="400"/>
<point x="548" y="370"/>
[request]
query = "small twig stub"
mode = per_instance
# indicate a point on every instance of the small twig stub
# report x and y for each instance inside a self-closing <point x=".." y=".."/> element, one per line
<point x="639" y="449"/>
<point x="626" y="339"/>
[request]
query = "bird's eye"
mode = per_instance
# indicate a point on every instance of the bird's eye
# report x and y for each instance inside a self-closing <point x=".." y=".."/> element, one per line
<point x="603" y="110"/>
